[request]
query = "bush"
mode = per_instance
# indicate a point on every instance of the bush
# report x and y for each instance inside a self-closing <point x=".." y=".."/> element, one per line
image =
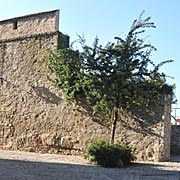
<point x="109" y="155"/>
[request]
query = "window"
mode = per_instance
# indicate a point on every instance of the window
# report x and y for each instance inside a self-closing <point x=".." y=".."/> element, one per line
<point x="15" y="23"/>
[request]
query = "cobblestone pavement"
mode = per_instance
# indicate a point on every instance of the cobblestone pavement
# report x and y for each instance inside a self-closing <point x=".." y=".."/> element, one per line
<point x="16" y="165"/>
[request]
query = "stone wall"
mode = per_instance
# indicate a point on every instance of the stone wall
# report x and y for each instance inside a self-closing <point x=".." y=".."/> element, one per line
<point x="165" y="146"/>
<point x="147" y="133"/>
<point x="29" y="25"/>
<point x="34" y="115"/>
<point x="175" y="139"/>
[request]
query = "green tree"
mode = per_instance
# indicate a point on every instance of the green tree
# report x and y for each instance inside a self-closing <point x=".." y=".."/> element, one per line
<point x="112" y="78"/>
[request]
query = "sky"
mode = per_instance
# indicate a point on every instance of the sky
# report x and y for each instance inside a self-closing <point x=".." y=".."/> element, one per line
<point x="109" y="18"/>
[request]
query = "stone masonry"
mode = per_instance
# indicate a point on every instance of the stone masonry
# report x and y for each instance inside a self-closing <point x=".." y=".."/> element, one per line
<point x="175" y="140"/>
<point x="33" y="113"/>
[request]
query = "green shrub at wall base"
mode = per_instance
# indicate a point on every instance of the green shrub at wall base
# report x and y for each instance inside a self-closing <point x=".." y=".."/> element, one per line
<point x="109" y="155"/>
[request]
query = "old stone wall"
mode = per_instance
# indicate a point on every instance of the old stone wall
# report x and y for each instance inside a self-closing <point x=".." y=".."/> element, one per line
<point x="29" y="25"/>
<point x="165" y="146"/>
<point x="147" y="133"/>
<point x="34" y="115"/>
<point x="175" y="140"/>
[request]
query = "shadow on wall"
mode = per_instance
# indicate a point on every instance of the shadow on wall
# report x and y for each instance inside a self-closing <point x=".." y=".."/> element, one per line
<point x="145" y="125"/>
<point x="136" y="120"/>
<point x="46" y="95"/>
<point x="97" y="117"/>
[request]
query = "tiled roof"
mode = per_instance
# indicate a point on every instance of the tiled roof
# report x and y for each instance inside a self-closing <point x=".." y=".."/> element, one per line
<point x="177" y="120"/>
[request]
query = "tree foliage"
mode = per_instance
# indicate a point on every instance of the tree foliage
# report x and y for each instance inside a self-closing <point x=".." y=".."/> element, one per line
<point x="114" y="77"/>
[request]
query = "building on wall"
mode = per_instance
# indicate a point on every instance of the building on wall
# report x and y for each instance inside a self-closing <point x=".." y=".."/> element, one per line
<point x="36" y="32"/>
<point x="33" y="26"/>
<point x="33" y="113"/>
<point x="25" y="43"/>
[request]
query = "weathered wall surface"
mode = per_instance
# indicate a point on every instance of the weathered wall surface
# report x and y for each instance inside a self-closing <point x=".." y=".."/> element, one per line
<point x="34" y="115"/>
<point x="175" y="140"/>
<point x="29" y="25"/>
<point x="165" y="146"/>
<point x="147" y="134"/>
<point x="33" y="112"/>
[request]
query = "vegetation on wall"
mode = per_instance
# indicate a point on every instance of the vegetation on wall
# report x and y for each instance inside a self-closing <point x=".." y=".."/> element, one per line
<point x="114" y="77"/>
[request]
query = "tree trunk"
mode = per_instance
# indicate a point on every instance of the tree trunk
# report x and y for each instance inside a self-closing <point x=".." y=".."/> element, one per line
<point x="115" y="119"/>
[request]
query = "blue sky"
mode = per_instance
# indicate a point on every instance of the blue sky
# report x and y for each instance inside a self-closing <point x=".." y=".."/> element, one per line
<point x="109" y="18"/>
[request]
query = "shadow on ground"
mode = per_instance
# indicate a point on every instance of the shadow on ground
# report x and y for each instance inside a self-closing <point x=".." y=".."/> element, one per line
<point x="28" y="170"/>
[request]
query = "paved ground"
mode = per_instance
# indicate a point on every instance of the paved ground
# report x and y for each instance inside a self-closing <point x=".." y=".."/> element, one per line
<point x="16" y="165"/>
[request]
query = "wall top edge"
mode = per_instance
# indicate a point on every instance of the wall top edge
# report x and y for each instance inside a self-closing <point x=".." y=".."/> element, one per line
<point x="29" y="15"/>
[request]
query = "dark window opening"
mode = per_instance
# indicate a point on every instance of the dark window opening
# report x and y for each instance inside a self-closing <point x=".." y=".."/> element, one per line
<point x="15" y="25"/>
